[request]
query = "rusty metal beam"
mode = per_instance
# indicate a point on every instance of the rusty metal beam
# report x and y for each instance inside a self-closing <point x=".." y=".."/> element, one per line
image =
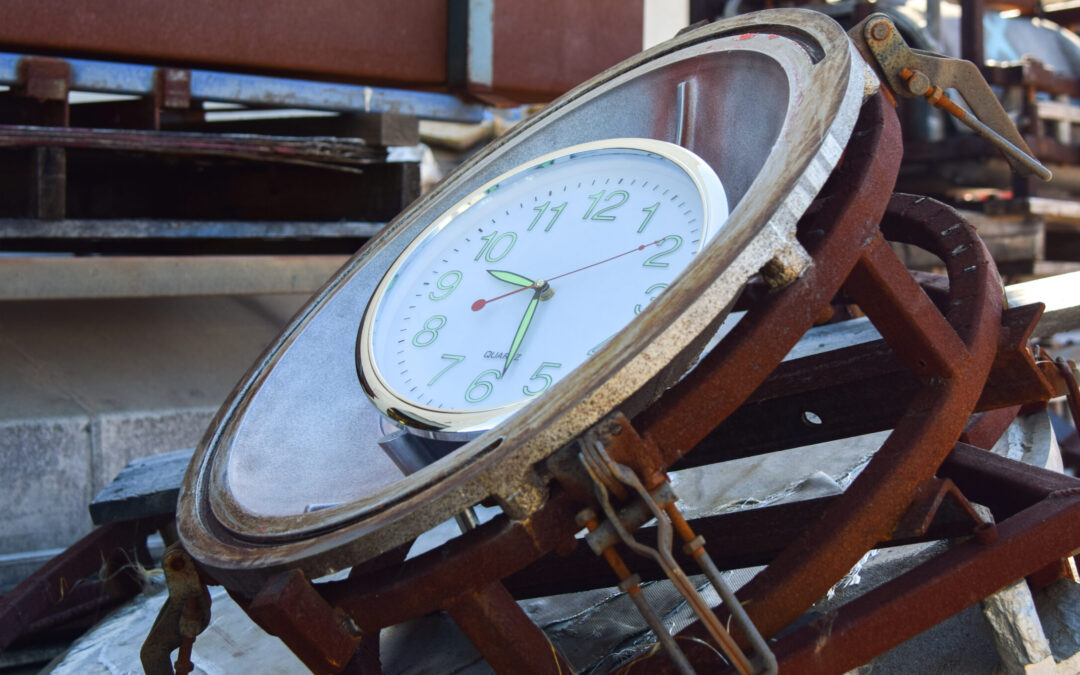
<point x="1046" y="528"/>
<point x="50" y="595"/>
<point x="858" y="390"/>
<point x="534" y="52"/>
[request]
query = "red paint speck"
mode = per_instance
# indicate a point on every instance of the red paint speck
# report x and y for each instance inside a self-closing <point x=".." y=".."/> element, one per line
<point x="773" y="37"/>
<point x="747" y="36"/>
<point x="641" y="248"/>
<point x="479" y="305"/>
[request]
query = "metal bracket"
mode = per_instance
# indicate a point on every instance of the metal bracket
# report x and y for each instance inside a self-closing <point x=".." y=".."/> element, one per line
<point x="185" y="614"/>
<point x="914" y="73"/>
<point x="939" y="498"/>
<point x="608" y="477"/>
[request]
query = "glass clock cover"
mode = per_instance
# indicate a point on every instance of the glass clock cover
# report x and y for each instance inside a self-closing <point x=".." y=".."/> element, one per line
<point x="528" y="276"/>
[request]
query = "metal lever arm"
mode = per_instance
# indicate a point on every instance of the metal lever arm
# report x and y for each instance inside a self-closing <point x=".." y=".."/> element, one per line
<point x="913" y="73"/>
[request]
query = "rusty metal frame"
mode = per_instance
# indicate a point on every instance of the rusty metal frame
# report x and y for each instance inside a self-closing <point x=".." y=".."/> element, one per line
<point x="948" y="354"/>
<point x="484" y="556"/>
<point x="896" y="500"/>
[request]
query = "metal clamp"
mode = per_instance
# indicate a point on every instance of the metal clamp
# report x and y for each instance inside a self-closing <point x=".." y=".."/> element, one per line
<point x="185" y="614"/>
<point x="914" y="73"/>
<point x="610" y="476"/>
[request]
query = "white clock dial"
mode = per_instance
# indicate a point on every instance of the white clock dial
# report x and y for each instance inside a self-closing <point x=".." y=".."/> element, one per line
<point x="523" y="280"/>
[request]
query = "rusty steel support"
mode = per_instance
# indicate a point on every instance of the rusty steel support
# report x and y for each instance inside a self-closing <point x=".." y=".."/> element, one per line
<point x="722" y="381"/>
<point x="291" y="609"/>
<point x="868" y="378"/>
<point x="42" y="95"/>
<point x="88" y="578"/>
<point x="870" y="508"/>
<point x="1046" y="527"/>
<point x="503" y="633"/>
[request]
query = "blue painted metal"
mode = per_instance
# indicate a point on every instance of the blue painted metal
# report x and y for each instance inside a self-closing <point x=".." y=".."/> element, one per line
<point x="138" y="80"/>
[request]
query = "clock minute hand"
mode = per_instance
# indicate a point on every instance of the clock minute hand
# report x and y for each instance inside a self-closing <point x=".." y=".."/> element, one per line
<point x="508" y="276"/>
<point x="522" y="328"/>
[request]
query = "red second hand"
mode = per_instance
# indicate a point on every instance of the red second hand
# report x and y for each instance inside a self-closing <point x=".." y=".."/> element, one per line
<point x="479" y="304"/>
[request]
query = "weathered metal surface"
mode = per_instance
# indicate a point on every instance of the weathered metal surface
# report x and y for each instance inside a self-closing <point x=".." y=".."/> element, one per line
<point x="291" y="609"/>
<point x="503" y="633"/>
<point x="866" y="377"/>
<point x="185" y="614"/>
<point x="339" y="154"/>
<point x="633" y="99"/>
<point x="532" y="51"/>
<point x="420" y="585"/>
<point x="256" y="90"/>
<point x="913" y="73"/>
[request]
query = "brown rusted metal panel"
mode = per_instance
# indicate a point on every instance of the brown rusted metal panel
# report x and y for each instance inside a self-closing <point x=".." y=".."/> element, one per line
<point x="332" y="39"/>
<point x="540" y="49"/>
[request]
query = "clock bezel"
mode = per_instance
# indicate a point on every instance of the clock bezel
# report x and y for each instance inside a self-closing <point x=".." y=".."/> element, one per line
<point x="464" y="424"/>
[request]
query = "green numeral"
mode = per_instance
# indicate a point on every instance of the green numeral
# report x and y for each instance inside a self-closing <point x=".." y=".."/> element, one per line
<point x="619" y="195"/>
<point x="485" y="386"/>
<point x="431" y="328"/>
<point x="542" y="376"/>
<point x="445" y="285"/>
<point x="648" y="291"/>
<point x="674" y="238"/>
<point x="557" y="210"/>
<point x="492" y="241"/>
<point x="651" y="210"/>
<point x="454" y="359"/>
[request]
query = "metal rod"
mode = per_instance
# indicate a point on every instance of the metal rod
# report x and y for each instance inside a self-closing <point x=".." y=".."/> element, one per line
<point x="597" y="461"/>
<point x="659" y="629"/>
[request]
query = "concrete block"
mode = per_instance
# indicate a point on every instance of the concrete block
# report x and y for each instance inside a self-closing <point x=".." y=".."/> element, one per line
<point x="46" y="469"/>
<point x="121" y="437"/>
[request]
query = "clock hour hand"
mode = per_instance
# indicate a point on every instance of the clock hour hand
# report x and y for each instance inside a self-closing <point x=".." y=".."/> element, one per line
<point x="512" y="278"/>
<point x="522" y="328"/>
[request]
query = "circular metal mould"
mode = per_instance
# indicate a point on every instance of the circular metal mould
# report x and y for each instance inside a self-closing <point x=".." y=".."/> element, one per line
<point x="288" y="476"/>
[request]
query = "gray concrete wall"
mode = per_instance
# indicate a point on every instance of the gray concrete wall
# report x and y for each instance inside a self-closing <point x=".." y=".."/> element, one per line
<point x="86" y="386"/>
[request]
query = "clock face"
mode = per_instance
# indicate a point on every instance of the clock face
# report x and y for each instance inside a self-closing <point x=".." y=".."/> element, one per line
<point x="527" y="277"/>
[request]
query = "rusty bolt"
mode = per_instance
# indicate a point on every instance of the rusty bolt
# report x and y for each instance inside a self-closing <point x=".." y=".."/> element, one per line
<point x="880" y="30"/>
<point x="584" y="517"/>
<point x="917" y="82"/>
<point x="986" y="533"/>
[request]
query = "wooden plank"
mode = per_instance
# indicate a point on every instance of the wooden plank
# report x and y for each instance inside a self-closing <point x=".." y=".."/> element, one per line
<point x="1057" y="209"/>
<point x="56" y="277"/>
<point x="148" y="486"/>
<point x="1060" y="294"/>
